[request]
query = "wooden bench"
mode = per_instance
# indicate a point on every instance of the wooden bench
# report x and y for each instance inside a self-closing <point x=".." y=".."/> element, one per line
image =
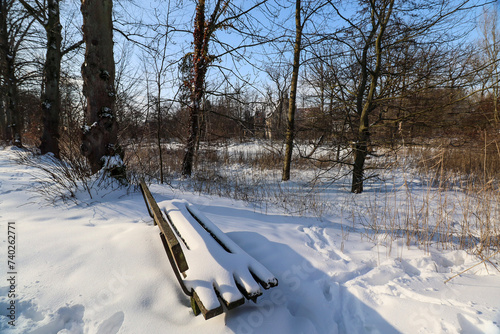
<point x="218" y="270"/>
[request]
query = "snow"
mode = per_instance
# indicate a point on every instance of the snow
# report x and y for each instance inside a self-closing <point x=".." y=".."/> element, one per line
<point x="47" y="104"/>
<point x="209" y="263"/>
<point x="98" y="266"/>
<point x="87" y="129"/>
<point x="111" y="162"/>
<point x="106" y="113"/>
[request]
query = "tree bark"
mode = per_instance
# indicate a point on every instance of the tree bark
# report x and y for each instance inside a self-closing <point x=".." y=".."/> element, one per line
<point x="199" y="71"/>
<point x="159" y="121"/>
<point x="51" y="100"/>
<point x="292" y="103"/>
<point x="7" y="59"/>
<point x="360" y="153"/>
<point x="365" y="105"/>
<point x="3" y="123"/>
<point x="99" y="139"/>
<point x="16" y="118"/>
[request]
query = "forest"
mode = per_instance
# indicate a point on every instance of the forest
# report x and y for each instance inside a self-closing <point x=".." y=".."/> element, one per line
<point x="323" y="84"/>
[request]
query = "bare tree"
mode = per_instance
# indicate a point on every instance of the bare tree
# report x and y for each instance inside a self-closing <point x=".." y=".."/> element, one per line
<point x="14" y="28"/>
<point x="47" y="13"/>
<point x="99" y="139"/>
<point x="292" y="104"/>
<point x="375" y="39"/>
<point x="158" y="58"/>
<point x="276" y="100"/>
<point x="223" y="16"/>
<point x="310" y="9"/>
<point x="365" y="95"/>
<point x="329" y="123"/>
<point x="490" y="47"/>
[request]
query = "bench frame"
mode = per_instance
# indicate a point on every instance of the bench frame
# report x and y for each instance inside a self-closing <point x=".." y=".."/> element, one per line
<point x="174" y="251"/>
<point x="178" y="261"/>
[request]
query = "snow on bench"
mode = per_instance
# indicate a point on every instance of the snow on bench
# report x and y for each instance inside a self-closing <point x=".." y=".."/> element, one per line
<point x="218" y="268"/>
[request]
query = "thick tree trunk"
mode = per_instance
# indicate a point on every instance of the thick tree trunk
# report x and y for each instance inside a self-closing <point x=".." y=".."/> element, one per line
<point x="51" y="101"/>
<point x="199" y="72"/>
<point x="187" y="163"/>
<point x="292" y="103"/>
<point x="3" y="120"/>
<point x="7" y="60"/>
<point x="360" y="153"/>
<point x="16" y="118"/>
<point x="4" y="51"/>
<point x="99" y="139"/>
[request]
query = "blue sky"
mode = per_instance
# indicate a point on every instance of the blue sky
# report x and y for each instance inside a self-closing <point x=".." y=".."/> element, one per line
<point x="252" y="60"/>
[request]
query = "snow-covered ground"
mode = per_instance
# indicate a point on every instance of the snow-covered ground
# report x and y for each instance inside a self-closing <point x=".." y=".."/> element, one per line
<point x="98" y="266"/>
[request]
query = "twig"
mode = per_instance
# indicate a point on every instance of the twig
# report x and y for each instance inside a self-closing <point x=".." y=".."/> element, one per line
<point x="494" y="265"/>
<point x="460" y="273"/>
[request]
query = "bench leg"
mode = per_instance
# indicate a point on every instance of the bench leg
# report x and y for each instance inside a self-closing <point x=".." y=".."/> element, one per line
<point x="194" y="306"/>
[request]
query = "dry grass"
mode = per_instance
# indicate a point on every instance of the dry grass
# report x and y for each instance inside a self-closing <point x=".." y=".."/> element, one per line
<point x="57" y="179"/>
<point x="63" y="179"/>
<point x="477" y="162"/>
<point x="250" y="176"/>
<point x="455" y="206"/>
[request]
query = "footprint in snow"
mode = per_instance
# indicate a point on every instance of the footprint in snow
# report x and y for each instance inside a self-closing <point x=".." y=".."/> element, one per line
<point x="26" y="310"/>
<point x="68" y="319"/>
<point x="321" y="242"/>
<point x="475" y="325"/>
<point x="112" y="325"/>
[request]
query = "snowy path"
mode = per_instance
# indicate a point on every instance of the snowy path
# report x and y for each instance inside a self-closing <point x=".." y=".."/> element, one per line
<point x="99" y="267"/>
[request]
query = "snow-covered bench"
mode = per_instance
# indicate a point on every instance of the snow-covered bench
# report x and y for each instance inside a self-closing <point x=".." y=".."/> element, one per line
<point x="218" y="270"/>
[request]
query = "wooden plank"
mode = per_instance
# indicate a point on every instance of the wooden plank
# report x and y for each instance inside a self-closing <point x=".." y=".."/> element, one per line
<point x="207" y="314"/>
<point x="173" y="243"/>
<point x="194" y="307"/>
<point x="231" y="305"/>
<point x="174" y="266"/>
<point x="246" y="294"/>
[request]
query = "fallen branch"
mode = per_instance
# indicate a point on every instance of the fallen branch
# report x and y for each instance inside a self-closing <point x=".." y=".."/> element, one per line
<point x="477" y="264"/>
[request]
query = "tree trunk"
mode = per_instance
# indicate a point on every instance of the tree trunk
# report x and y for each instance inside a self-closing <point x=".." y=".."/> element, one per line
<point x="360" y="153"/>
<point x="3" y="123"/>
<point x="99" y="139"/>
<point x="159" y="127"/>
<point x="292" y="105"/>
<point x="7" y="60"/>
<point x="365" y="108"/>
<point x="199" y="72"/>
<point x="16" y="118"/>
<point x="51" y="100"/>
